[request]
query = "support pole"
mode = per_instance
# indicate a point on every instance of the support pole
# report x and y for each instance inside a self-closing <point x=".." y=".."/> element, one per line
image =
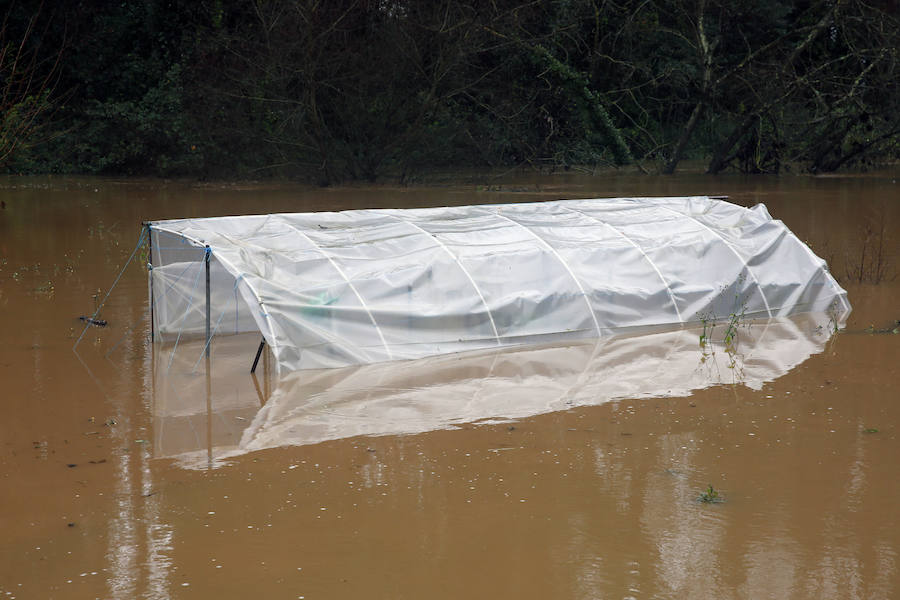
<point x="206" y="260"/>
<point x="150" y="275"/>
<point x="209" y="427"/>
<point x="259" y="350"/>
<point x="209" y="442"/>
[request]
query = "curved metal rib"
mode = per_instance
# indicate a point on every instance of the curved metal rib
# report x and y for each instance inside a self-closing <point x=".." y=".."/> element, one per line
<point x="639" y="249"/>
<point x="340" y="271"/>
<point x="561" y="261"/>
<point x="730" y="247"/>
<point x="459" y="264"/>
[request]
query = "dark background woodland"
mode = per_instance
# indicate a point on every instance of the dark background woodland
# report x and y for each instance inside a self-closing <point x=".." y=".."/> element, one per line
<point x="338" y="90"/>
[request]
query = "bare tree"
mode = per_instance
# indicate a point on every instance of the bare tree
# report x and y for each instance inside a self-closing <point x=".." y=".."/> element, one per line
<point x="27" y="78"/>
<point x="832" y="81"/>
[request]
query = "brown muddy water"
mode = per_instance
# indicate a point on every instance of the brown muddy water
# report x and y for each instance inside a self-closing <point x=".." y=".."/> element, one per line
<point x="479" y="475"/>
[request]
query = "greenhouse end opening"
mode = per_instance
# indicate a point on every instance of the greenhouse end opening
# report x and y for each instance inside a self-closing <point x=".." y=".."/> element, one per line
<point x="334" y="289"/>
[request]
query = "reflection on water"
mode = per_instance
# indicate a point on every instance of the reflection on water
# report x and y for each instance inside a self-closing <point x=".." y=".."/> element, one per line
<point x="241" y="415"/>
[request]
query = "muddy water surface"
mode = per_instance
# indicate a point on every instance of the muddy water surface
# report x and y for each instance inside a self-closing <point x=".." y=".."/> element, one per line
<point x="109" y="488"/>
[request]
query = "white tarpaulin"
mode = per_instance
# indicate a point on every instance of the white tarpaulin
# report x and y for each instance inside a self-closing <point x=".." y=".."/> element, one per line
<point x="334" y="289"/>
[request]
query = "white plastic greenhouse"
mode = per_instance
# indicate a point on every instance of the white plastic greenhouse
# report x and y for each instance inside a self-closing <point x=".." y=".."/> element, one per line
<point x="334" y="289"/>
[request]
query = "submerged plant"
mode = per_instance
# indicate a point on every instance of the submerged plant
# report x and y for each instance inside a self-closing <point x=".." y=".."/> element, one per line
<point x="873" y="263"/>
<point x="733" y="323"/>
<point x="45" y="289"/>
<point x="710" y="496"/>
<point x="735" y="320"/>
<point x="892" y="328"/>
<point x="833" y="316"/>
<point x="709" y="324"/>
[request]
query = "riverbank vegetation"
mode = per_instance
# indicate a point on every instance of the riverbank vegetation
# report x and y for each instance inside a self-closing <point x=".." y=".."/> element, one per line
<point x="368" y="89"/>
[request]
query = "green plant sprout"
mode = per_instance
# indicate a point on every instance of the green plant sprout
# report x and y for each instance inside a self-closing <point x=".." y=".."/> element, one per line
<point x="709" y="324"/>
<point x="710" y="496"/>
<point x="735" y="320"/>
<point x="833" y="316"/>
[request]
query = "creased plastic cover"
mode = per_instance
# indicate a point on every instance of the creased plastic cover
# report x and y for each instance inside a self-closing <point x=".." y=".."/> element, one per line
<point x="334" y="289"/>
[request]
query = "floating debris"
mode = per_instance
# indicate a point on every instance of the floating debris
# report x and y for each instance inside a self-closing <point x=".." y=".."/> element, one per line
<point x="93" y="321"/>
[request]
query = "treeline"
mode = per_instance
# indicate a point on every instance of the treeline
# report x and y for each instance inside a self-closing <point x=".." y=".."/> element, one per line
<point x="331" y="90"/>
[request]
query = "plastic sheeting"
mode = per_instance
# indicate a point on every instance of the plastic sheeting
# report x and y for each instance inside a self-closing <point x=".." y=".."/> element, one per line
<point x="334" y="289"/>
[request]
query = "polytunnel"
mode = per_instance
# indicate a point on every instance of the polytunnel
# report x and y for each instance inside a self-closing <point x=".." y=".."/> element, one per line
<point x="334" y="289"/>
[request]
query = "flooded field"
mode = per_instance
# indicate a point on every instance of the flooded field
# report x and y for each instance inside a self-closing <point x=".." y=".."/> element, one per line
<point x="547" y="472"/>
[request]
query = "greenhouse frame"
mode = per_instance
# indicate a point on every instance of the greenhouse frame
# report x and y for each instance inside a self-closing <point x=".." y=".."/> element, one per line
<point x="333" y="289"/>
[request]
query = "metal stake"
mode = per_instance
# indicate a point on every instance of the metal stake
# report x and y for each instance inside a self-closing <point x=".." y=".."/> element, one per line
<point x="150" y="269"/>
<point x="206" y="260"/>
<point x="258" y="353"/>
<point x="209" y="427"/>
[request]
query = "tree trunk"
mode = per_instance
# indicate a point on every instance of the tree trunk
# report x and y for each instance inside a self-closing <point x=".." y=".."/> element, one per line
<point x="705" y="50"/>
<point x="684" y="138"/>
<point x="721" y="157"/>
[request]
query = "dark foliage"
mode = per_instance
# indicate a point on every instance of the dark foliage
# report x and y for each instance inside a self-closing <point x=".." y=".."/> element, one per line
<point x="362" y="89"/>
